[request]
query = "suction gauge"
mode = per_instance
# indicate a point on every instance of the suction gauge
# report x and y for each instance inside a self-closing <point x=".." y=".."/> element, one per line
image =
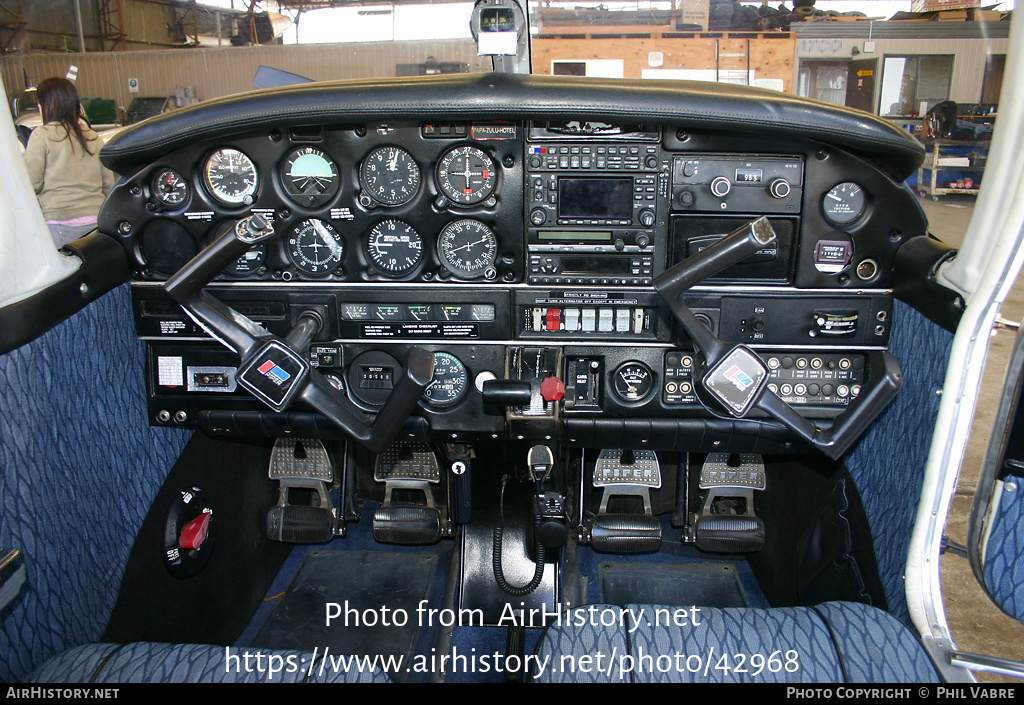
<point x="309" y="177"/>
<point x="466" y="175"/>
<point x="844" y="203"/>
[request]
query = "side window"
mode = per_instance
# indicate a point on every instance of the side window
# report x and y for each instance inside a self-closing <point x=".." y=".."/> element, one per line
<point x="911" y="85"/>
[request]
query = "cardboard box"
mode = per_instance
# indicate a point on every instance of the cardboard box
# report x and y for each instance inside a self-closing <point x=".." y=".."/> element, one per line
<point x="693" y="12"/>
<point x="984" y="15"/>
<point x="934" y="5"/>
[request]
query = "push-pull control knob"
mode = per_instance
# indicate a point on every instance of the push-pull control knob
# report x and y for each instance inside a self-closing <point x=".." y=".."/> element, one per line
<point x="721" y="186"/>
<point x="779" y="188"/>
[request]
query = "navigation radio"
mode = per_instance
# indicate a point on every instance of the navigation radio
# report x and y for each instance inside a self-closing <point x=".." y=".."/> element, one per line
<point x="596" y="212"/>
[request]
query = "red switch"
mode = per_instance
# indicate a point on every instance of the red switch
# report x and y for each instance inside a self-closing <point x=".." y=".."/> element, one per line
<point x="554" y="316"/>
<point x="195" y="532"/>
<point x="552" y="389"/>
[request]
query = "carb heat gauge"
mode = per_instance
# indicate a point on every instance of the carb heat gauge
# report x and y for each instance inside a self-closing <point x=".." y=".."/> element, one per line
<point x="315" y="247"/>
<point x="309" y="177"/>
<point x="449" y="383"/>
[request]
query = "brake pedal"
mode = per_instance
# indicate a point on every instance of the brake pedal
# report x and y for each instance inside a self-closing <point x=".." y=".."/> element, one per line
<point x="727" y="522"/>
<point x="627" y="478"/>
<point x="409" y="514"/>
<point x="304" y="512"/>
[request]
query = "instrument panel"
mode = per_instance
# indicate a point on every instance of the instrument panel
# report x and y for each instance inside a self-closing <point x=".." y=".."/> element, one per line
<point x="490" y="242"/>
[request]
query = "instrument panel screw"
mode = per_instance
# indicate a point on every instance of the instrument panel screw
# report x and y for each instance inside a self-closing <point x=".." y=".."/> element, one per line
<point x="508" y="161"/>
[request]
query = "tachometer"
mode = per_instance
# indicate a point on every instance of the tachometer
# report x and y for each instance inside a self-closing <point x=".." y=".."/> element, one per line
<point x="449" y="383"/>
<point x="466" y="175"/>
<point x="468" y="248"/>
<point x="315" y="247"/>
<point x="844" y="203"/>
<point x="231" y="177"/>
<point x="309" y="177"/>
<point x="390" y="175"/>
<point x="170" y="188"/>
<point x="395" y="247"/>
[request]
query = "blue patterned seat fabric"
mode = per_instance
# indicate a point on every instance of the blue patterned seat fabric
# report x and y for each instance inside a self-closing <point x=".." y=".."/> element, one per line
<point x="1004" y="551"/>
<point x="197" y="663"/>
<point x="834" y="642"/>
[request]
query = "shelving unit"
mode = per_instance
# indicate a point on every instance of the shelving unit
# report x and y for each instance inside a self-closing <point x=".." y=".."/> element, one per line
<point x="930" y="186"/>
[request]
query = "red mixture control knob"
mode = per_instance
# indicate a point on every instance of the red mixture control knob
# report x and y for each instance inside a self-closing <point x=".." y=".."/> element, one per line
<point x="195" y="532"/>
<point x="552" y="389"/>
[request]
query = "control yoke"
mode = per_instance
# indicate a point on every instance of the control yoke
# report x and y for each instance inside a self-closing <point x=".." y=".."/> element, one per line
<point x="735" y="380"/>
<point x="276" y="371"/>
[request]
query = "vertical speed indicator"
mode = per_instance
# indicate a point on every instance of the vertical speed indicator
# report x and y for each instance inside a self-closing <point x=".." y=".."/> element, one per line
<point x="394" y="247"/>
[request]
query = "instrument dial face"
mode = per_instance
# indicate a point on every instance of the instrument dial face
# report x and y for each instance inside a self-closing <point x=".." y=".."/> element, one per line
<point x="844" y="203"/>
<point x="231" y="177"/>
<point x="466" y="175"/>
<point x="315" y="247"/>
<point x="395" y="247"/>
<point x="468" y="248"/>
<point x="633" y="381"/>
<point x="248" y="263"/>
<point x="449" y="383"/>
<point x="390" y="176"/>
<point x="170" y="188"/>
<point x="309" y="177"/>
